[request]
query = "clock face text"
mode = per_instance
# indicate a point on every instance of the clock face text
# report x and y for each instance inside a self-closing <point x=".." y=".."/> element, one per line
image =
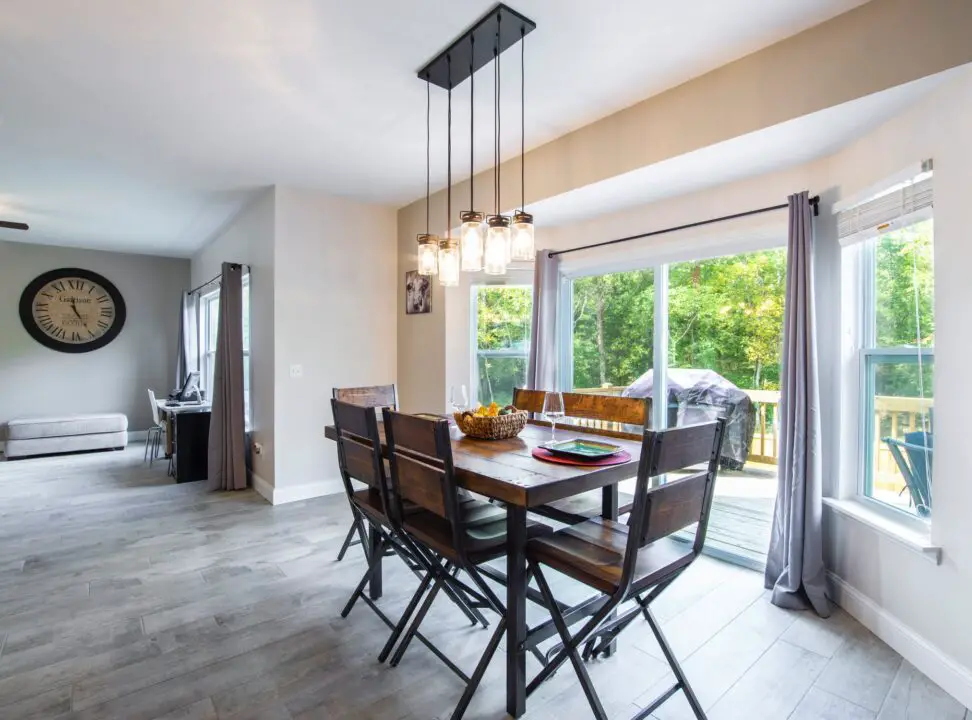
<point x="73" y="310"/>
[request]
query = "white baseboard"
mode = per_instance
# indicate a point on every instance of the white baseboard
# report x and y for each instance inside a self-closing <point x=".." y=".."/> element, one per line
<point x="262" y="486"/>
<point x="137" y="436"/>
<point x="281" y="496"/>
<point x="944" y="670"/>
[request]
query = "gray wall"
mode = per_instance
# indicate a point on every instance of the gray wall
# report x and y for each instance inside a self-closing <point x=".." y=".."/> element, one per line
<point x="35" y="380"/>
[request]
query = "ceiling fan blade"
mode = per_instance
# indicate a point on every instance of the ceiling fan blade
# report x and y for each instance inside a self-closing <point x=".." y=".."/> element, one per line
<point x="14" y="225"/>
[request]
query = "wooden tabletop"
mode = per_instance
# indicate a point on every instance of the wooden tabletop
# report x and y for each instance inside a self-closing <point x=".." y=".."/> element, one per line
<point x="506" y="470"/>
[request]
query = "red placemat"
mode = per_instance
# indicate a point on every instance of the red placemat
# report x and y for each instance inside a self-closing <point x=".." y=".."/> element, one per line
<point x="547" y="456"/>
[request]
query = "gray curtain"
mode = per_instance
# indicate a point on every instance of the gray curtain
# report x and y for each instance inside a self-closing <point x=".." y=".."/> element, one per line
<point x="187" y="356"/>
<point x="794" y="566"/>
<point x="542" y="370"/>
<point x="227" y="437"/>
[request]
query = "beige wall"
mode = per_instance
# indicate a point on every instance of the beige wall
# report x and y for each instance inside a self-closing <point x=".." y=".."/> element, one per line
<point x="249" y="239"/>
<point x="334" y="315"/>
<point x="850" y="56"/>
<point x="35" y="380"/>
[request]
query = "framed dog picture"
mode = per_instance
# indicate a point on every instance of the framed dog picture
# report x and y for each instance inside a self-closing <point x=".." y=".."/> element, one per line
<point x="418" y="293"/>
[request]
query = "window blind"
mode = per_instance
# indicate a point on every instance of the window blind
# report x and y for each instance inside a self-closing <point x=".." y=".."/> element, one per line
<point x="902" y="206"/>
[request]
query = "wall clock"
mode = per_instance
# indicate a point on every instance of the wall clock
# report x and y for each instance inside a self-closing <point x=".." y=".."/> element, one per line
<point x="72" y="310"/>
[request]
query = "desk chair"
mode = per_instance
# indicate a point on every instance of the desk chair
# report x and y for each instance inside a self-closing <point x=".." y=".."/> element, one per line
<point x="153" y="439"/>
<point x="369" y="396"/>
<point x="634" y="561"/>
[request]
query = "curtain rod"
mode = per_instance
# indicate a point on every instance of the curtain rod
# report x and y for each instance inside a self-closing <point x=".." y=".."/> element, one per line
<point x="214" y="279"/>
<point x="814" y="202"/>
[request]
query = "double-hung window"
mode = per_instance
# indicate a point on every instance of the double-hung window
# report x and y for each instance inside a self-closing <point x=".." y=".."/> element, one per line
<point x="893" y="236"/>
<point x="501" y="342"/>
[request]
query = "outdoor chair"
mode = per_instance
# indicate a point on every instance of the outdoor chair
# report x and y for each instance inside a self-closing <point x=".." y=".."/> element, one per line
<point x="914" y="460"/>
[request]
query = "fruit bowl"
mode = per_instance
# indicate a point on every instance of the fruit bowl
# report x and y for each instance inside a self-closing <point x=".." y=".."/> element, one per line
<point x="492" y="427"/>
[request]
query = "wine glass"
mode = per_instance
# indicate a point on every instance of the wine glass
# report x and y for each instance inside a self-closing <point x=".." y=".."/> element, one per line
<point x="458" y="398"/>
<point x="553" y="410"/>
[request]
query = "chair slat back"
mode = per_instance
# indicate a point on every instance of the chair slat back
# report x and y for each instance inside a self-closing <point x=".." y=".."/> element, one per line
<point x="666" y="509"/>
<point x="359" y="447"/>
<point x="369" y="396"/>
<point x="421" y="462"/>
<point x="607" y="408"/>
<point x="529" y="400"/>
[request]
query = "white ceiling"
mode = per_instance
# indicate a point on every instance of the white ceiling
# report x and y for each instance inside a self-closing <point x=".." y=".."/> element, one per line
<point x="776" y="148"/>
<point x="144" y="126"/>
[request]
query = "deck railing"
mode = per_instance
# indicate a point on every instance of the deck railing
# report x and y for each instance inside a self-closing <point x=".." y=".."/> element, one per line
<point x="893" y="416"/>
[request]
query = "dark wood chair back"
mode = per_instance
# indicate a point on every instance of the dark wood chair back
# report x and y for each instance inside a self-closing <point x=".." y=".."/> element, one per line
<point x="666" y="509"/>
<point x="373" y="396"/>
<point x="359" y="448"/>
<point x="591" y="412"/>
<point x="422" y="472"/>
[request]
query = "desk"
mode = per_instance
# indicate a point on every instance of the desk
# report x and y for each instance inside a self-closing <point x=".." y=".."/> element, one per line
<point x="187" y="434"/>
<point x="506" y="470"/>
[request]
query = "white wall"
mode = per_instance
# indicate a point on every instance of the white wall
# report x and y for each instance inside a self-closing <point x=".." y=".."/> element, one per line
<point x="335" y="306"/>
<point x="35" y="380"/>
<point x="249" y="239"/>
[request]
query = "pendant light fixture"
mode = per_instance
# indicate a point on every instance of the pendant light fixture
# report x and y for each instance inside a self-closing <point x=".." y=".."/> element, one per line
<point x="497" y="253"/>
<point x="449" y="248"/>
<point x="472" y="228"/>
<point x="428" y="244"/>
<point x="480" y="246"/>
<point x="522" y="243"/>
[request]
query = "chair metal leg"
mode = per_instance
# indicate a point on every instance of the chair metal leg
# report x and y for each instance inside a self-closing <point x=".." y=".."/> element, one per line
<point x="570" y="647"/>
<point x="683" y="682"/>
<point x="481" y="668"/>
<point x="413" y="628"/>
<point x="347" y="540"/>
<point x="406" y="616"/>
<point x="372" y="567"/>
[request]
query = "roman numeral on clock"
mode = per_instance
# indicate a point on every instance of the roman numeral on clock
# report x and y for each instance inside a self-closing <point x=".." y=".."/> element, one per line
<point x="102" y="324"/>
<point x="106" y="312"/>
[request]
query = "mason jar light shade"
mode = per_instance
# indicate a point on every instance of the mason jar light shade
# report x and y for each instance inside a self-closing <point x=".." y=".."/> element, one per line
<point x="472" y="232"/>
<point x="428" y="250"/>
<point x="522" y="246"/>
<point x="449" y="263"/>
<point x="496" y="256"/>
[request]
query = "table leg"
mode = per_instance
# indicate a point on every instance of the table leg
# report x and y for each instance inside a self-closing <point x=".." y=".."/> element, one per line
<point x="609" y="510"/>
<point x="516" y="579"/>
<point x="374" y="542"/>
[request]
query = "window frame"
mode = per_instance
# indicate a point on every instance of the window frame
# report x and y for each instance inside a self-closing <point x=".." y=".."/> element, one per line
<point x="869" y="354"/>
<point x="207" y="351"/>
<point x="475" y="352"/>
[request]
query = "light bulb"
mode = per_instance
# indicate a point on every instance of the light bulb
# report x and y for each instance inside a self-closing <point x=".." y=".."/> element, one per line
<point x="472" y="241"/>
<point x="428" y="250"/>
<point x="497" y="254"/>
<point x="449" y="263"/>
<point x="522" y="245"/>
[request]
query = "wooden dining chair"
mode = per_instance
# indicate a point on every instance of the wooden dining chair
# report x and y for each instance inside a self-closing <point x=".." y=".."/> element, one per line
<point x="608" y="415"/>
<point x="360" y="460"/>
<point x="458" y="530"/>
<point x="370" y="396"/>
<point x="634" y="561"/>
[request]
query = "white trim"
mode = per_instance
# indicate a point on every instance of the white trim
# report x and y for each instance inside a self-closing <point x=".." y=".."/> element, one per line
<point x="262" y="486"/>
<point x="306" y="491"/>
<point x="135" y="436"/>
<point x="942" y="669"/>
<point x="872" y="191"/>
<point x="900" y="530"/>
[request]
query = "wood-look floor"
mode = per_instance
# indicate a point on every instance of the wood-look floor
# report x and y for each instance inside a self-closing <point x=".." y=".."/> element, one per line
<point x="124" y="596"/>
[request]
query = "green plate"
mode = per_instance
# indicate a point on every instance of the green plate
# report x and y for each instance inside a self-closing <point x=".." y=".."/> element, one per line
<point x="588" y="449"/>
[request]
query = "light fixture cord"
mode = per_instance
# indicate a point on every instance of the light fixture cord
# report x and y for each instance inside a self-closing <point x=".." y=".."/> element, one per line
<point x="472" y="118"/>
<point x="522" y="118"/>
<point x="428" y="149"/>
<point x="495" y="131"/>
<point x="449" y="155"/>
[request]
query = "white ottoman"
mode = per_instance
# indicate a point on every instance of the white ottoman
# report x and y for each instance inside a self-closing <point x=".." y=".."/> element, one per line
<point x="70" y="433"/>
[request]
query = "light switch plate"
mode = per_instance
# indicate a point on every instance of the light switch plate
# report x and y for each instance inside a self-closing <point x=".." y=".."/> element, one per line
<point x="296" y="371"/>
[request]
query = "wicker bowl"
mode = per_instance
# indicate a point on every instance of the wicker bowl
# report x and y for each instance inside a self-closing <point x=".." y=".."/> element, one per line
<point x="492" y="428"/>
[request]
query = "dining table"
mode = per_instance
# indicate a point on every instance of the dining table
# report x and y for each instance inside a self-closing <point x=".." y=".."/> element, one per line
<point x="506" y="471"/>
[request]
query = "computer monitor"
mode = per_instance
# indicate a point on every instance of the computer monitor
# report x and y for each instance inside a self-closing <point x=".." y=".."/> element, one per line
<point x="190" y="388"/>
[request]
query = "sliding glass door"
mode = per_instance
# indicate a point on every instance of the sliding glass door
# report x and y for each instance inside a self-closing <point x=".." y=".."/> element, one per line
<point x="703" y="339"/>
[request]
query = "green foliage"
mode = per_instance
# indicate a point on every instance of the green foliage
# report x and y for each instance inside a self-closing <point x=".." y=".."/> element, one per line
<point x="503" y="318"/>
